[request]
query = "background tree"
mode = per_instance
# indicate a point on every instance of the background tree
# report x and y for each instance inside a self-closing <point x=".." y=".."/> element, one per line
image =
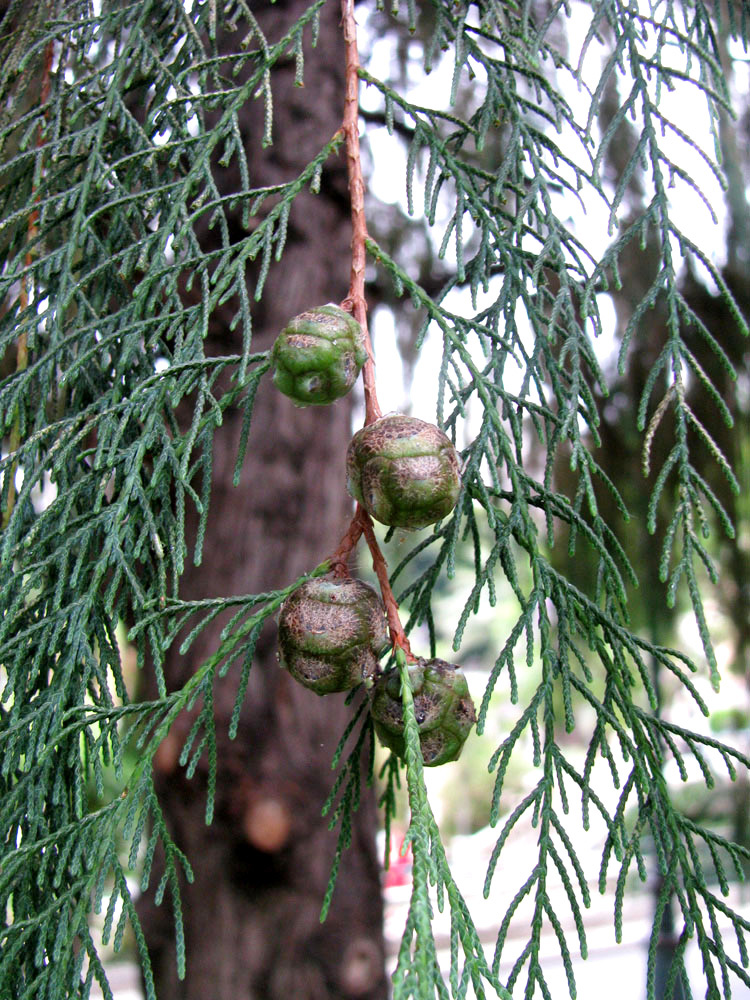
<point x="171" y="196"/>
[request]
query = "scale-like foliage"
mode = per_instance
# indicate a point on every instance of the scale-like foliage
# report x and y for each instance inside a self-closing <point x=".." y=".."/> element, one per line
<point x="113" y="117"/>
<point x="110" y="410"/>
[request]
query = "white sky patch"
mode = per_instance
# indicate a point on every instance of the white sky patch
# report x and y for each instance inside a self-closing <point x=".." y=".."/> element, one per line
<point x="386" y="182"/>
<point x="163" y="137"/>
<point x="389" y="368"/>
<point x="606" y="345"/>
<point x="588" y="217"/>
<point x="193" y="125"/>
<point x="686" y="107"/>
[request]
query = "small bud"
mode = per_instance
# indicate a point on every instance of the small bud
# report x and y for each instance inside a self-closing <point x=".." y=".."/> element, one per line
<point x="332" y="634"/>
<point x="442" y="705"/>
<point x="403" y="471"/>
<point x="318" y="356"/>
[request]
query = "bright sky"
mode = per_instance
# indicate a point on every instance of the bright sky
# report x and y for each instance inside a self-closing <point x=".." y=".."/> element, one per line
<point x="684" y="106"/>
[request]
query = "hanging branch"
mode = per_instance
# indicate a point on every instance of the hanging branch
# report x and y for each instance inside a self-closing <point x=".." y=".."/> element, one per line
<point x="398" y="636"/>
<point x="355" y="301"/>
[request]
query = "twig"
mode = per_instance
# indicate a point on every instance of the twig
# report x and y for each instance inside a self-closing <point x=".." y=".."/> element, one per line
<point x="355" y="302"/>
<point x="340" y="559"/>
<point x="357" y="305"/>
<point x="398" y="636"/>
<point x="361" y="524"/>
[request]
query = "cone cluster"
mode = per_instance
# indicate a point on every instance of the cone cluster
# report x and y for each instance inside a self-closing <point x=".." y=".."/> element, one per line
<point x="405" y="473"/>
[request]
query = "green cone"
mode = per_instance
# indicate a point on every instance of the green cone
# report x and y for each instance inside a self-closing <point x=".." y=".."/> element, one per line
<point x="332" y="634"/>
<point x="403" y="471"/>
<point x="442" y="706"/>
<point x="318" y="356"/>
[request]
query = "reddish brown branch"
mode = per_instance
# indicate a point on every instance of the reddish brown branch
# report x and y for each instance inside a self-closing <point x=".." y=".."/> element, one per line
<point x="398" y="636"/>
<point x="355" y="301"/>
<point x="340" y="558"/>
<point x="357" y="305"/>
<point x="361" y="524"/>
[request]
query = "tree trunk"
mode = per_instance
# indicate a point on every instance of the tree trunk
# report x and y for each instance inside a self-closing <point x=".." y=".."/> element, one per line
<point x="252" y="914"/>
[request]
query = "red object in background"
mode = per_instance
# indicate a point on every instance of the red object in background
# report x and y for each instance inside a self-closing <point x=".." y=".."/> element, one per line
<point x="399" y="867"/>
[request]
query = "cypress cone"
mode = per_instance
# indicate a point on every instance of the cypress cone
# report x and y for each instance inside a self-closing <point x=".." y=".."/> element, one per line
<point x="318" y="356"/>
<point x="404" y="471"/>
<point x="442" y="706"/>
<point x="332" y="633"/>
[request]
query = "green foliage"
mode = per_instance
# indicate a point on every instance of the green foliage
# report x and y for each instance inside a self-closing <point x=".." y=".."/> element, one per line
<point x="109" y="403"/>
<point x="99" y="261"/>
<point x="417" y="972"/>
